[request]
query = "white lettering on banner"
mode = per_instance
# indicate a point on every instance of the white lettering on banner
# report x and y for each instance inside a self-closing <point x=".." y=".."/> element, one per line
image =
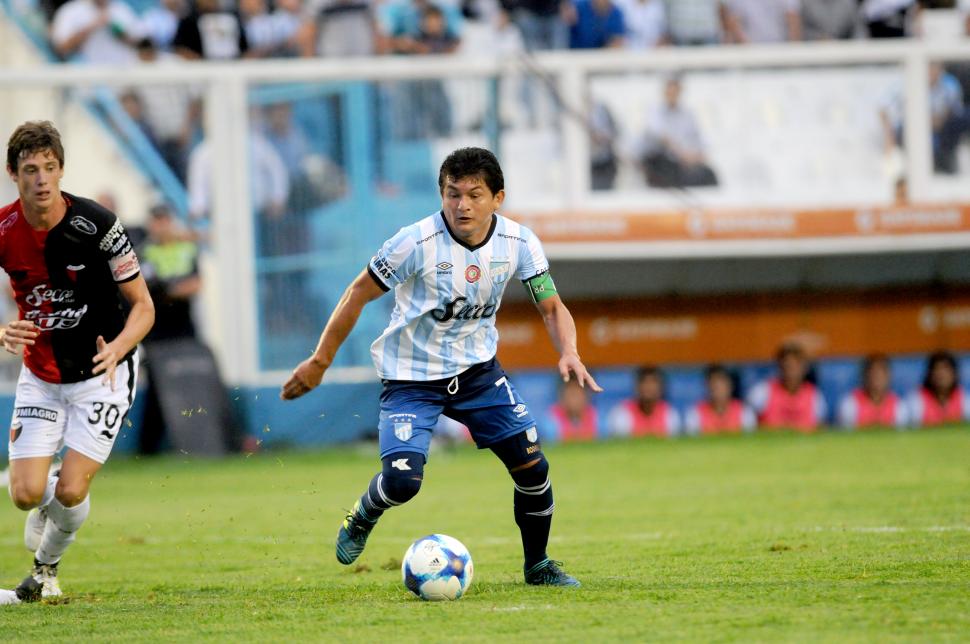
<point x="590" y="226"/>
<point x="930" y="319"/>
<point x="603" y="331"/>
<point x="41" y="294"/>
<point x="699" y="225"/>
<point x="950" y="218"/>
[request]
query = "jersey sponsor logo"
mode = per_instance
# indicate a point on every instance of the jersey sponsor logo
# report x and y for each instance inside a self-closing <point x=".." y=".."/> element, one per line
<point x="124" y="267"/>
<point x="15" y="430"/>
<point x="513" y="237"/>
<point x="432" y="236"/>
<point x="41" y="294"/>
<point x="121" y="246"/>
<point x="499" y="269"/>
<point x="58" y="320"/>
<point x="36" y="412"/>
<point x="458" y="309"/>
<point x="401" y="464"/>
<point x="83" y="225"/>
<point x="8" y="223"/>
<point x="472" y="273"/>
<point x="111" y="236"/>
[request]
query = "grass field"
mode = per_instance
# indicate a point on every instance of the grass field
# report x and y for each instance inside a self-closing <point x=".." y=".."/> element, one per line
<point x="832" y="537"/>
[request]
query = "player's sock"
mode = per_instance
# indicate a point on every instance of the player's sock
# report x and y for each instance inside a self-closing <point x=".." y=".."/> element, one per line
<point x="533" y="510"/>
<point x="62" y="526"/>
<point x="48" y="491"/>
<point x="397" y="484"/>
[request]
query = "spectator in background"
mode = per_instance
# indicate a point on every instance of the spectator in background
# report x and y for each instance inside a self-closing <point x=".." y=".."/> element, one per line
<point x="648" y="414"/>
<point x="672" y="152"/>
<point x="694" y="22"/>
<point x="646" y="23"/>
<point x="170" y="264"/>
<point x="160" y="22"/>
<point x="132" y="104"/>
<point x="269" y="35"/>
<point x="96" y="31"/>
<point x="209" y="32"/>
<point x="829" y="19"/>
<point x="573" y="417"/>
<point x="873" y="404"/>
<point x="941" y="399"/>
<point x="722" y="412"/>
<point x="602" y="147"/>
<point x="338" y="29"/>
<point x="172" y="110"/>
<point x="889" y="18"/>
<point x="598" y="24"/>
<point x="789" y="400"/>
<point x="762" y="21"/>
<point x="543" y="22"/>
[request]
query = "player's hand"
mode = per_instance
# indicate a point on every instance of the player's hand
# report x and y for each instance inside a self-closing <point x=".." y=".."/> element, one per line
<point x="570" y="363"/>
<point x="18" y="334"/>
<point x="106" y="361"/>
<point x="305" y="377"/>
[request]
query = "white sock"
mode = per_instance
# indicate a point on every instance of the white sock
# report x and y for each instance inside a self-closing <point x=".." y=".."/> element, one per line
<point x="48" y="491"/>
<point x="62" y="526"/>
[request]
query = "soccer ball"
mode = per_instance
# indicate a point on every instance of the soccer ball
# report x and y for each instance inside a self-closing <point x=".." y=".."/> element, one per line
<point x="437" y="568"/>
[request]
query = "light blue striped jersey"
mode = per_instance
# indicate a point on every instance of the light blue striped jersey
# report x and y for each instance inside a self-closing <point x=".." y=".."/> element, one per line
<point x="446" y="295"/>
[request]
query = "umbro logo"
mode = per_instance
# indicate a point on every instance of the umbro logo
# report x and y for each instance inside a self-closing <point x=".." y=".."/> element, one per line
<point x="444" y="268"/>
<point x="401" y="464"/>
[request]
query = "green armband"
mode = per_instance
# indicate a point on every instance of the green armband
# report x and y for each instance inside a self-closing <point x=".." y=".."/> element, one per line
<point x="541" y="287"/>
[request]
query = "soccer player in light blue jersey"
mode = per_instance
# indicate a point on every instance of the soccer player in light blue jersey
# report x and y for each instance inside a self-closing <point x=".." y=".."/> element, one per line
<point x="437" y="355"/>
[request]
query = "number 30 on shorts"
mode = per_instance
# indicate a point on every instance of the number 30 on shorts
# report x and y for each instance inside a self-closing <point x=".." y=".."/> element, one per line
<point x="107" y="412"/>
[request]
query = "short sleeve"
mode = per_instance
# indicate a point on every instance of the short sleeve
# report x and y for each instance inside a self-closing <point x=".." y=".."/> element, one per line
<point x="395" y="262"/>
<point x="692" y="421"/>
<point x="821" y="408"/>
<point x="116" y="248"/>
<point x="532" y="259"/>
<point x="902" y="414"/>
<point x="749" y="422"/>
<point x="618" y="422"/>
<point x="914" y="406"/>
<point x="847" y="412"/>
<point x="673" y="421"/>
<point x="758" y="397"/>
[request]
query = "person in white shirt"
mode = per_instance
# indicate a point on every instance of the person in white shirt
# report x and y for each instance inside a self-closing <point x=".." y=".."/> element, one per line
<point x="96" y="31"/>
<point x="646" y="23"/>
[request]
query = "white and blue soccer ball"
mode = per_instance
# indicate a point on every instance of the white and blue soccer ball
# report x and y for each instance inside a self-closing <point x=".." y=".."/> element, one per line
<point x="437" y="568"/>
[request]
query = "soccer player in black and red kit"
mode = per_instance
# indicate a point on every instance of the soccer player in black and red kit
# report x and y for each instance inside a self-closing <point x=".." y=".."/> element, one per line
<point x="68" y="260"/>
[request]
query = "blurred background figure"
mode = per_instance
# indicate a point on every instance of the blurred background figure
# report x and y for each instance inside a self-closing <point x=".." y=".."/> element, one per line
<point x="102" y="32"/>
<point x="210" y="32"/>
<point x="789" y="400"/>
<point x="160" y="21"/>
<point x="762" y="21"/>
<point x="648" y="414"/>
<point x="941" y="399"/>
<point x="542" y="22"/>
<point x="598" y="24"/>
<point x="694" y="22"/>
<point x="170" y="264"/>
<point x="889" y="18"/>
<point x="672" y="151"/>
<point x="829" y="19"/>
<point x="874" y="404"/>
<point x="646" y="23"/>
<point x="723" y="412"/>
<point x="573" y="417"/>
<point x="338" y="28"/>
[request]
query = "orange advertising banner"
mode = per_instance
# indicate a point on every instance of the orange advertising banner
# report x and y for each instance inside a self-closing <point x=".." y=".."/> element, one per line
<point x="778" y="223"/>
<point x="742" y="328"/>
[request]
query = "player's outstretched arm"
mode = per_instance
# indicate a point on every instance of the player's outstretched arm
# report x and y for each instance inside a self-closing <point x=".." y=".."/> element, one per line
<point x="139" y="323"/>
<point x="562" y="330"/>
<point x="309" y="373"/>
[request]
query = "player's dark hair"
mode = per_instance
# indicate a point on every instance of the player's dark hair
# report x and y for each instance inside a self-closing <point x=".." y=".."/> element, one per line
<point x="790" y="349"/>
<point x="940" y="357"/>
<point x="31" y="137"/>
<point x="717" y="369"/>
<point x="472" y="162"/>
<point x="648" y="370"/>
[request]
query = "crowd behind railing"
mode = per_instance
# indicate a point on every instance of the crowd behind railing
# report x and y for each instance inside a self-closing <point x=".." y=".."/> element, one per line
<point x="788" y="400"/>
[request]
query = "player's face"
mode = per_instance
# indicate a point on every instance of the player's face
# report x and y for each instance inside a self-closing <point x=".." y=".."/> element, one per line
<point x="38" y="179"/>
<point x="877" y="378"/>
<point x="792" y="370"/>
<point x="942" y="377"/>
<point x="650" y="389"/>
<point x="573" y="399"/>
<point x="719" y="388"/>
<point x="468" y="205"/>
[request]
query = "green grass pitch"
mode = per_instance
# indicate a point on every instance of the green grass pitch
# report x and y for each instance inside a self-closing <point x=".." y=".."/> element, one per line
<point x="857" y="537"/>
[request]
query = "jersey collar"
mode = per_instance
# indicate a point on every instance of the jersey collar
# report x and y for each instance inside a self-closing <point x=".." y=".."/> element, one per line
<point x="488" y="236"/>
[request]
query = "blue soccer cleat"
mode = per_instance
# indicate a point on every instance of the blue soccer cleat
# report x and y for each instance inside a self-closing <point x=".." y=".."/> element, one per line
<point x="549" y="573"/>
<point x="352" y="536"/>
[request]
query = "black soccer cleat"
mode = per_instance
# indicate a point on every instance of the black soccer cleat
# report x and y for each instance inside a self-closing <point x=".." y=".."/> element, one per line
<point x="29" y="589"/>
<point x="352" y="536"/>
<point x="549" y="573"/>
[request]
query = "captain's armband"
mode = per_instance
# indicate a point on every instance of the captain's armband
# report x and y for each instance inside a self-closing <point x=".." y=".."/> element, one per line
<point x="541" y="287"/>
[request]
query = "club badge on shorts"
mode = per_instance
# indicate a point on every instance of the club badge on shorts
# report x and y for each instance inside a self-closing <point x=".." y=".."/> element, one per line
<point x="15" y="430"/>
<point x="402" y="431"/>
<point x="532" y="434"/>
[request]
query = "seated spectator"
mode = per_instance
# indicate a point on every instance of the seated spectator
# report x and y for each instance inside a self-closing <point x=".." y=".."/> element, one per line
<point x="603" y="160"/>
<point x="829" y="19"/>
<point x="96" y="31"/>
<point x="722" y="412"/>
<point x="694" y="22"/>
<point x="889" y="18"/>
<point x="648" y="414"/>
<point x="941" y="399"/>
<point x="672" y="152"/>
<point x="338" y="28"/>
<point x="161" y="21"/>
<point x="598" y="24"/>
<point x="573" y="417"/>
<point x="873" y="404"/>
<point x="762" y="21"/>
<point x="209" y="32"/>
<point x="402" y="21"/>
<point x="789" y="400"/>
<point x="543" y="22"/>
<point x="646" y="23"/>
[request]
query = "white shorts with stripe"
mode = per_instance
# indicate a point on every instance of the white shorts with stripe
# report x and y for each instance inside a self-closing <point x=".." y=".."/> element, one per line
<point x="84" y="416"/>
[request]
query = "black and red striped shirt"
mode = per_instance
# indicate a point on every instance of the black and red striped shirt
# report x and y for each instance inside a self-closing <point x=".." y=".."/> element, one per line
<point x="65" y="281"/>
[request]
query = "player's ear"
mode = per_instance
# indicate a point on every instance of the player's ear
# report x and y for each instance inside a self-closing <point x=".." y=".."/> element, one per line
<point x="498" y="198"/>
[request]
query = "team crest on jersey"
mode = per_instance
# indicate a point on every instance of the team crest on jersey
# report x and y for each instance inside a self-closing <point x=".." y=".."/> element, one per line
<point x="15" y="431"/>
<point x="472" y="273"/>
<point x="499" y="270"/>
<point x="83" y="225"/>
<point x="8" y="223"/>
